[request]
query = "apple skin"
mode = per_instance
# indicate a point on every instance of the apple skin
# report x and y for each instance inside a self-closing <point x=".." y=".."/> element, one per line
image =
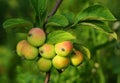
<point x="63" y="48"/>
<point x="29" y="52"/>
<point x="77" y="58"/>
<point x="19" y="47"/>
<point x="60" y="62"/>
<point x="47" y="51"/>
<point x="44" y="64"/>
<point x="36" y="37"/>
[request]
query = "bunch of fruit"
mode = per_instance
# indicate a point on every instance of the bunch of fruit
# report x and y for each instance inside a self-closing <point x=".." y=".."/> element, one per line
<point x="59" y="55"/>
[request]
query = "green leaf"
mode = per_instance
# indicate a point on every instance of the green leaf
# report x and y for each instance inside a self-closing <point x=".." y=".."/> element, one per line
<point x="17" y="24"/>
<point x="96" y="12"/>
<point x="83" y="49"/>
<point x="39" y="6"/>
<point x="59" y="36"/>
<point x="35" y="4"/>
<point x="58" y="20"/>
<point x="101" y="26"/>
<point x="70" y="16"/>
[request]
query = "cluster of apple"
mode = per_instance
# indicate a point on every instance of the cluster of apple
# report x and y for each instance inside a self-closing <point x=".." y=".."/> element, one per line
<point x="59" y="55"/>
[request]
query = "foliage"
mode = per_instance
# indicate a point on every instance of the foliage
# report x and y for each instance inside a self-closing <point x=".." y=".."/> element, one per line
<point x="89" y="25"/>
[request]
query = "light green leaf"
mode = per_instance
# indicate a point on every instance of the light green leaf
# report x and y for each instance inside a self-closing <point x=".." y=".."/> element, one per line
<point x="58" y="20"/>
<point x="87" y="52"/>
<point x="114" y="35"/>
<point x="17" y="24"/>
<point x="83" y="49"/>
<point x="59" y="36"/>
<point x="96" y="12"/>
<point x="101" y="27"/>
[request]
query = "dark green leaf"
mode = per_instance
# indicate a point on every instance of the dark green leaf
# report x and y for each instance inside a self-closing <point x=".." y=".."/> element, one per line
<point x="41" y="7"/>
<point x="40" y="11"/>
<point x="83" y="49"/>
<point x="35" y="4"/>
<point x="96" y="12"/>
<point x="59" y="36"/>
<point x="17" y="24"/>
<point x="101" y="26"/>
<point x="58" y="20"/>
<point x="70" y="16"/>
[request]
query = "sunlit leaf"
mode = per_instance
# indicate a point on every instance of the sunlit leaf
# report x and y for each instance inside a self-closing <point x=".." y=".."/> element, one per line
<point x="96" y="12"/>
<point x="58" y="20"/>
<point x="59" y="36"/>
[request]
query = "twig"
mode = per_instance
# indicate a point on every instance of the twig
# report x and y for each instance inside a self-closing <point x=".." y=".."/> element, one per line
<point x="46" y="20"/>
<point x="55" y="8"/>
<point x="47" y="77"/>
<point x="53" y="11"/>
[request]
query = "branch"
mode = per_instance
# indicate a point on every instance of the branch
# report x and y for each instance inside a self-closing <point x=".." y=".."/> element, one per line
<point x="46" y="20"/>
<point x="53" y="11"/>
<point x="47" y="77"/>
<point x="55" y="8"/>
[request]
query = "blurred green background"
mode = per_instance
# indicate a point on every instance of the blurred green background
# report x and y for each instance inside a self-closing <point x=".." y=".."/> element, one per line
<point x="104" y="66"/>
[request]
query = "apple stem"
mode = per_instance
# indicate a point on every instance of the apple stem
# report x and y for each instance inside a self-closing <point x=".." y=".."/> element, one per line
<point x="53" y="11"/>
<point x="47" y="79"/>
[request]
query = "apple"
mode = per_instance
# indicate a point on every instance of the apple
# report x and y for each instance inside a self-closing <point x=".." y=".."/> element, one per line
<point x="60" y="62"/>
<point x="63" y="48"/>
<point x="19" y="46"/>
<point x="76" y="58"/>
<point x="44" y="64"/>
<point x="47" y="51"/>
<point x="36" y="37"/>
<point x="29" y="51"/>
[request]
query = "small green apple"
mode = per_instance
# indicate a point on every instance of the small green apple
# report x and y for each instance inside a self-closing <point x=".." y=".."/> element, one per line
<point x="63" y="48"/>
<point x="29" y="52"/>
<point x="60" y="62"/>
<point x="19" y="46"/>
<point x="36" y="37"/>
<point x="44" y="64"/>
<point x="47" y="51"/>
<point x="77" y="58"/>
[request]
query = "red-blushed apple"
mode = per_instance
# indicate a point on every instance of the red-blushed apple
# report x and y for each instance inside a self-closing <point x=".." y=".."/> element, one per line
<point x="47" y="51"/>
<point x="29" y="52"/>
<point x="36" y="37"/>
<point x="76" y="58"/>
<point x="63" y="48"/>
